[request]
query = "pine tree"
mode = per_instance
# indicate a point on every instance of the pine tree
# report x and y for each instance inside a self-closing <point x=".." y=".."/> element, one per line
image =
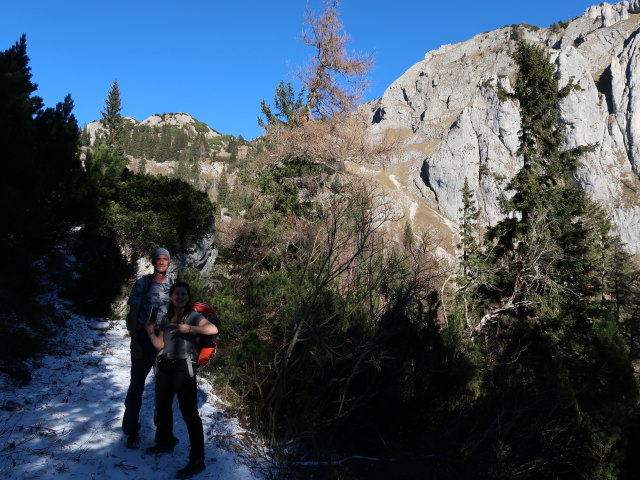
<point x="472" y="266"/>
<point x="408" y="235"/>
<point x="142" y="168"/>
<point x="622" y="293"/>
<point x="181" y="170"/>
<point x="42" y="177"/>
<point x="287" y="110"/>
<point x="223" y="190"/>
<point x="43" y="187"/>
<point x="555" y="362"/>
<point x="550" y="229"/>
<point x="106" y="162"/>
<point x="164" y="145"/>
<point x="194" y="172"/>
<point x="112" y="121"/>
<point x="232" y="147"/>
<point x="468" y="245"/>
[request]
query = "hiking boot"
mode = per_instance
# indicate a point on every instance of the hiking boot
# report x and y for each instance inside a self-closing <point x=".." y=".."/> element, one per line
<point x="133" y="441"/>
<point x="192" y="468"/>
<point x="160" y="448"/>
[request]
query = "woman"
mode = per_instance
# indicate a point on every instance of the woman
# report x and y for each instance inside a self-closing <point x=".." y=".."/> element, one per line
<point x="175" y="374"/>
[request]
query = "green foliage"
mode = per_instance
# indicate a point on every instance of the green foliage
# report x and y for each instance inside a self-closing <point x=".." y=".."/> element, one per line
<point x="468" y="246"/>
<point x="164" y="143"/>
<point x="199" y="290"/>
<point x="221" y="140"/>
<point x="105" y="166"/>
<point x="200" y="126"/>
<point x="148" y="211"/>
<point x="558" y="26"/>
<point x="408" y="236"/>
<point x="550" y="344"/>
<point x="622" y="293"/>
<point x="42" y="187"/>
<point x="223" y="190"/>
<point x="112" y="121"/>
<point x="515" y="32"/>
<point x="233" y="150"/>
<point x="324" y="328"/>
<point x="287" y="110"/>
<point x="138" y="213"/>
<point x="43" y="192"/>
<point x="290" y="186"/>
<point x="487" y="83"/>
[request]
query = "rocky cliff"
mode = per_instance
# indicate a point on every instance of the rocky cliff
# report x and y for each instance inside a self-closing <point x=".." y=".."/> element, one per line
<point x="453" y="126"/>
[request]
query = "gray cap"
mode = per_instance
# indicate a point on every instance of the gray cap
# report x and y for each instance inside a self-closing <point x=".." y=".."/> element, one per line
<point x="160" y="251"/>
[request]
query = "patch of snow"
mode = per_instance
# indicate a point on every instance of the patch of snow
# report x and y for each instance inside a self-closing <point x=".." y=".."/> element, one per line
<point x="412" y="210"/>
<point x="395" y="181"/>
<point x="66" y="422"/>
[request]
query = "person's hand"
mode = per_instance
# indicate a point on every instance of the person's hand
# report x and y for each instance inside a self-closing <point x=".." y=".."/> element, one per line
<point x="182" y="328"/>
<point x="149" y="327"/>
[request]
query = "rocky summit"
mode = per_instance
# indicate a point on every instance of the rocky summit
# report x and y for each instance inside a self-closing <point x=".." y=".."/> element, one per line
<point x="446" y="112"/>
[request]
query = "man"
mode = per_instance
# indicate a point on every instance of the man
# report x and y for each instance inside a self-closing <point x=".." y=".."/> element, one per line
<point x="149" y="297"/>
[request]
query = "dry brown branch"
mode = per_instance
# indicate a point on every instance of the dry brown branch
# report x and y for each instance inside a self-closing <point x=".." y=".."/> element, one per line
<point x="330" y="142"/>
<point x="334" y="79"/>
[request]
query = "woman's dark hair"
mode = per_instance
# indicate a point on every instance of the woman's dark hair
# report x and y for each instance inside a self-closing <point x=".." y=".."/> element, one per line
<point x="188" y="307"/>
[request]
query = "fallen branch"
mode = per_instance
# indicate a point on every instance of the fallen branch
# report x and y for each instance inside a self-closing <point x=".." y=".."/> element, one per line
<point x="493" y="313"/>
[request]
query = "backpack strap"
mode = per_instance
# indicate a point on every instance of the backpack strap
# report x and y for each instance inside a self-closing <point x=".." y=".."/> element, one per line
<point x="192" y="356"/>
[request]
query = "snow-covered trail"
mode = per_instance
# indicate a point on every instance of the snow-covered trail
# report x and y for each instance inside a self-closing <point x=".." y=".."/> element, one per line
<point x="66" y="422"/>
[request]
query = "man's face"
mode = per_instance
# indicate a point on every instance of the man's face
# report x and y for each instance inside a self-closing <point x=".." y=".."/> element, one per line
<point x="160" y="264"/>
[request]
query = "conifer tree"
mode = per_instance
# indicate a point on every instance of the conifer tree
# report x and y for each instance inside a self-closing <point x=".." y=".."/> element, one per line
<point x="287" y="109"/>
<point x="112" y="120"/>
<point x="555" y="362"/>
<point x="194" y="172"/>
<point x="622" y="293"/>
<point x="232" y="148"/>
<point x="407" y="239"/>
<point x="181" y="170"/>
<point x="223" y="191"/>
<point x="550" y="229"/>
<point x="106" y="162"/>
<point x="468" y="245"/>
<point x="471" y="267"/>
<point x="43" y="188"/>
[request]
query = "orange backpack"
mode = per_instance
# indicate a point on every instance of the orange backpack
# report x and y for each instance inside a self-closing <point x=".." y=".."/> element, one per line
<point x="207" y="344"/>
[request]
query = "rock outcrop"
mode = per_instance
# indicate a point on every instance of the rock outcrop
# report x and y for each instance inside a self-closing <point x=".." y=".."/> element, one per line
<point x="183" y="121"/>
<point x="447" y="110"/>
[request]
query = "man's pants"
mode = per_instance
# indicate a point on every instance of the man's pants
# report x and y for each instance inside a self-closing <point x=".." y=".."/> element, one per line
<point x="140" y="368"/>
<point x="172" y="377"/>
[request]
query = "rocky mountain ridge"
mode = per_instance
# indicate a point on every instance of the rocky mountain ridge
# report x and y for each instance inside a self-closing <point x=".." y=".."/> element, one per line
<point x="176" y="144"/>
<point x="453" y="126"/>
<point x="446" y="112"/>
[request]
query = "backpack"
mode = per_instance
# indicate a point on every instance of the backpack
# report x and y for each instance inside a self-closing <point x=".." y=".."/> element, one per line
<point x="207" y="345"/>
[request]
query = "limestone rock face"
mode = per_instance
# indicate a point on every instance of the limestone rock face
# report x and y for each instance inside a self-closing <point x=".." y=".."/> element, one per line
<point x="447" y="111"/>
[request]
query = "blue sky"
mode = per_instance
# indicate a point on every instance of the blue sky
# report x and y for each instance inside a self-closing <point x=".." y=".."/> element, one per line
<point x="216" y="60"/>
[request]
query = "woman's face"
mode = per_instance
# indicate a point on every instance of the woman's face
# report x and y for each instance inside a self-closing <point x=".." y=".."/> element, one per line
<point x="180" y="297"/>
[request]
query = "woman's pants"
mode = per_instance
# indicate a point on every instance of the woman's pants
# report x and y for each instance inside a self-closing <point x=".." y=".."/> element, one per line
<point x="172" y="377"/>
